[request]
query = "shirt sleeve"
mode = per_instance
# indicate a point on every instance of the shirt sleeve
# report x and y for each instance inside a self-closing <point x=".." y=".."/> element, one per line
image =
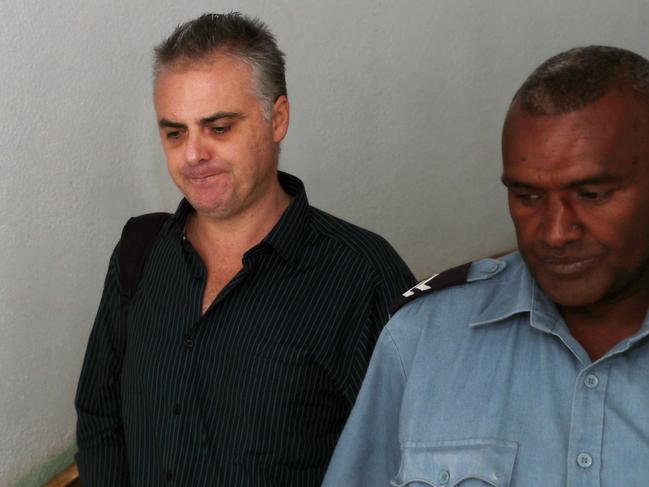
<point x="368" y="452"/>
<point x="391" y="278"/>
<point x="100" y="435"/>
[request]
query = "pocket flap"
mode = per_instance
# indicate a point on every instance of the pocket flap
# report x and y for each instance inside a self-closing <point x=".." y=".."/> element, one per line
<point x="448" y="463"/>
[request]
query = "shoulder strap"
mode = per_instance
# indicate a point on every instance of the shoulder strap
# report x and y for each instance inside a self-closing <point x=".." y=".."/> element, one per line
<point x="452" y="277"/>
<point x="138" y="236"/>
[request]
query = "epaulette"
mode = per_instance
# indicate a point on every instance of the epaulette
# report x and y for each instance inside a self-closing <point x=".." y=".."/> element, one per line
<point x="469" y="272"/>
<point x="441" y="280"/>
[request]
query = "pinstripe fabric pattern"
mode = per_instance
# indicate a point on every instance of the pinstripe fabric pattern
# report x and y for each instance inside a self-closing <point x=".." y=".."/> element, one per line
<point x="256" y="391"/>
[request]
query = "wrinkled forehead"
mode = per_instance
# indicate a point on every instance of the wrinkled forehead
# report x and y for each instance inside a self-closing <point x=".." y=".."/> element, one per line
<point x="614" y="121"/>
<point x="605" y="140"/>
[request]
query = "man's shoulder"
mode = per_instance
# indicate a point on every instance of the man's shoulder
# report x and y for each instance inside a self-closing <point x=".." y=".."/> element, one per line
<point x="140" y="233"/>
<point x="448" y="307"/>
<point x="349" y="235"/>
<point x="343" y="231"/>
<point x="466" y="286"/>
<point x="138" y="237"/>
<point x="360" y="244"/>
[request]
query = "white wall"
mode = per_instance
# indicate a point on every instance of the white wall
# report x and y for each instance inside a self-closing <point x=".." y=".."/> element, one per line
<point x="396" y="115"/>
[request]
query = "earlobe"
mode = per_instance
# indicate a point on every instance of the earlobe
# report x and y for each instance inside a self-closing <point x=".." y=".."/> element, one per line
<point x="280" y="117"/>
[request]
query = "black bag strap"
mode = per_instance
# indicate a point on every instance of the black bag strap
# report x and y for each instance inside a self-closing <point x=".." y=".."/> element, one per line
<point x="138" y="236"/>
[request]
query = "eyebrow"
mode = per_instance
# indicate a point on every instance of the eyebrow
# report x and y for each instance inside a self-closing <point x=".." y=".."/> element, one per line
<point x="219" y="116"/>
<point x="604" y="178"/>
<point x="166" y="123"/>
<point x="510" y="183"/>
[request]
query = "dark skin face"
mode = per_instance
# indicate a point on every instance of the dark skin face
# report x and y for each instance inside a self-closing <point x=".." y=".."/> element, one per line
<point x="578" y="189"/>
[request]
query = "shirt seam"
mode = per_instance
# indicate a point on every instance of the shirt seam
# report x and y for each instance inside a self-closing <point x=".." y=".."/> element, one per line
<point x="366" y="322"/>
<point x="398" y="352"/>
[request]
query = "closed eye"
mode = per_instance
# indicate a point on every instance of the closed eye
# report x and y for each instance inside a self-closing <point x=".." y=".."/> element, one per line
<point x="526" y="197"/>
<point x="593" y="195"/>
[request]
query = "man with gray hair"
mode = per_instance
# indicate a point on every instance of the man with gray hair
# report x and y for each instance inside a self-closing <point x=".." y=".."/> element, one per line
<point x="531" y="369"/>
<point x="232" y="336"/>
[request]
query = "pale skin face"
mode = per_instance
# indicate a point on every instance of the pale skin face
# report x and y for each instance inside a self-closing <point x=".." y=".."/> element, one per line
<point x="221" y="152"/>
<point x="578" y="189"/>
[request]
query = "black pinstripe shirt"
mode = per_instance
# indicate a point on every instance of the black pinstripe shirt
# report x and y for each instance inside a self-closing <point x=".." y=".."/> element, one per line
<point x="256" y="391"/>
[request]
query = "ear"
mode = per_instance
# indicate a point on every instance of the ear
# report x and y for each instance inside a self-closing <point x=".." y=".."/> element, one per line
<point x="279" y="118"/>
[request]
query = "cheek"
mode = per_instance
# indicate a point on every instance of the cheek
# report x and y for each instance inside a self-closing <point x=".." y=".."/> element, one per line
<point x="618" y="227"/>
<point x="632" y="235"/>
<point x="241" y="146"/>
<point x="173" y="162"/>
<point x="524" y="224"/>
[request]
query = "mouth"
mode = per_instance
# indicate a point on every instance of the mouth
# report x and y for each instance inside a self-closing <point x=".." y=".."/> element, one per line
<point x="203" y="178"/>
<point x="568" y="267"/>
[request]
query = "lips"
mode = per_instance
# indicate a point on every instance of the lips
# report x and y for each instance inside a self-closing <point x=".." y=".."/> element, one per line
<point x="203" y="177"/>
<point x="567" y="267"/>
<point x="204" y="171"/>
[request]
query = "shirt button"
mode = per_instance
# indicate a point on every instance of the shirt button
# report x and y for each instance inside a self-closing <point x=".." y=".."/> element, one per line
<point x="189" y="343"/>
<point x="444" y="477"/>
<point x="177" y="409"/>
<point x="591" y="381"/>
<point x="584" y="460"/>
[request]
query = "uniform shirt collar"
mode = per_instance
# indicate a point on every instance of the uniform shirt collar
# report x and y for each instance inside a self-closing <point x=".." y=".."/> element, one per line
<point x="514" y="292"/>
<point x="517" y="293"/>
<point x="506" y="294"/>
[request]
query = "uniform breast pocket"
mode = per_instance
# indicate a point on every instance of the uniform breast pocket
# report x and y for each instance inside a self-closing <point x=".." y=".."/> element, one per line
<point x="473" y="462"/>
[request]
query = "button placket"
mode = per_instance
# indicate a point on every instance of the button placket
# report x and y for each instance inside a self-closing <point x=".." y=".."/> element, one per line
<point x="586" y="426"/>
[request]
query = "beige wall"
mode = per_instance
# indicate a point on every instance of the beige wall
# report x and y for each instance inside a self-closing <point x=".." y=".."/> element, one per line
<point x="397" y="108"/>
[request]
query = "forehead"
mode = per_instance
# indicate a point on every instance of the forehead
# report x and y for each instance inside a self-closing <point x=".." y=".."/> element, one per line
<point x="608" y="135"/>
<point x="222" y="82"/>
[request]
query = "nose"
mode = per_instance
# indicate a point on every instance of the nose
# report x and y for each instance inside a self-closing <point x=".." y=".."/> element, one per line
<point x="560" y="225"/>
<point x="196" y="151"/>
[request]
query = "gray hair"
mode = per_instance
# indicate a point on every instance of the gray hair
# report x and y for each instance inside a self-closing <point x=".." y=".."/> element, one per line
<point x="243" y="37"/>
<point x="577" y="77"/>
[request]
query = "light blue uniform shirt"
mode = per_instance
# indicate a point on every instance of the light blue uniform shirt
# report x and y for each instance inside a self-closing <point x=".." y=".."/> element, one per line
<point x="482" y="384"/>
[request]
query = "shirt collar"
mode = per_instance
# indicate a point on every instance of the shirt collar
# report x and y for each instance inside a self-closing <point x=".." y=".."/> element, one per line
<point x="179" y="218"/>
<point x="512" y="292"/>
<point x="518" y="293"/>
<point x="288" y="235"/>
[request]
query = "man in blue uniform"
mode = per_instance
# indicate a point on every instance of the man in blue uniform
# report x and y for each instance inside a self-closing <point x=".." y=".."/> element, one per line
<point x="531" y="369"/>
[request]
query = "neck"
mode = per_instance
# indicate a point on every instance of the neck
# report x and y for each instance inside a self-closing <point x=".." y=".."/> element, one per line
<point x="232" y="237"/>
<point x="600" y="327"/>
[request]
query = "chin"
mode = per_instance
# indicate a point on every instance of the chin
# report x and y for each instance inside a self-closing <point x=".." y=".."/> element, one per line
<point x="209" y="203"/>
<point x="215" y="211"/>
<point x="580" y="293"/>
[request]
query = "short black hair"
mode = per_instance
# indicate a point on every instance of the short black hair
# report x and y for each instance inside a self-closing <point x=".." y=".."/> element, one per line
<point x="577" y="77"/>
